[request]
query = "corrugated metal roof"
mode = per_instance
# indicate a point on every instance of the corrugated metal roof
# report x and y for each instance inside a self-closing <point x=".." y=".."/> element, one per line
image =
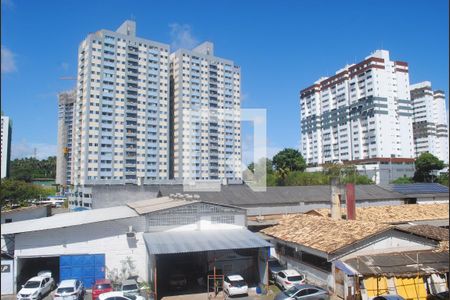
<point x="243" y="195"/>
<point x="69" y="219"/>
<point x="404" y="263"/>
<point x="418" y="188"/>
<point x="428" y="231"/>
<point x="170" y="242"/>
<point x="157" y="204"/>
<point x="240" y="195"/>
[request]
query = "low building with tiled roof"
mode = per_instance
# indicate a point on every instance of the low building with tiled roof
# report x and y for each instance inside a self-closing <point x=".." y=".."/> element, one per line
<point x="313" y="244"/>
<point x="394" y="214"/>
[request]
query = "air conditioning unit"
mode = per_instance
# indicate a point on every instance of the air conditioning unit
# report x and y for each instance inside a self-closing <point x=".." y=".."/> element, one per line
<point x="131" y="234"/>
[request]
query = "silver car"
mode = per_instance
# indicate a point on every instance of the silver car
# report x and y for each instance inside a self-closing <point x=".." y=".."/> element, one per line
<point x="303" y="292"/>
<point x="130" y="287"/>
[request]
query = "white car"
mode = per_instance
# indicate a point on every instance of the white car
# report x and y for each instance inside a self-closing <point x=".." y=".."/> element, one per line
<point x="36" y="287"/>
<point x="287" y="278"/>
<point x="70" y="289"/>
<point x="235" y="285"/>
<point x="119" y="296"/>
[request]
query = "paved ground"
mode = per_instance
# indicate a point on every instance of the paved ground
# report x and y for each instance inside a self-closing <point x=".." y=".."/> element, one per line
<point x="273" y="290"/>
<point x="202" y="296"/>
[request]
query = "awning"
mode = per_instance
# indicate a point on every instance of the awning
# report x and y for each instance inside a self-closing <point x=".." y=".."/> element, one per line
<point x="170" y="242"/>
<point x="345" y="268"/>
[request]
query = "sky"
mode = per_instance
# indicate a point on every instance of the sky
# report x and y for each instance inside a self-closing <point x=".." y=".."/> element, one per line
<point x="281" y="47"/>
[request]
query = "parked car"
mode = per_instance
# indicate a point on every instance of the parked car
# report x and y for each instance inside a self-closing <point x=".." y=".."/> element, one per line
<point x="234" y="285"/>
<point x="100" y="287"/>
<point x="70" y="289"/>
<point x="303" y="292"/>
<point x="177" y="281"/>
<point x="130" y="287"/>
<point x="119" y="296"/>
<point x="274" y="267"/>
<point x="287" y="278"/>
<point x="391" y="297"/>
<point x="439" y="296"/>
<point x="36" y="287"/>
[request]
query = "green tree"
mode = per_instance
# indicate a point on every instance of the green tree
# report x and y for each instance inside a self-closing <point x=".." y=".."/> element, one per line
<point x="288" y="160"/>
<point x="18" y="192"/>
<point x="426" y="163"/>
<point x="403" y="180"/>
<point x="443" y="179"/>
<point x="251" y="175"/>
<point x="27" y="169"/>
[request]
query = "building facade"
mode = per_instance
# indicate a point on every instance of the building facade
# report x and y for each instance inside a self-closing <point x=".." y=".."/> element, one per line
<point x="6" y="146"/>
<point x="430" y="124"/>
<point x="364" y="111"/>
<point x="145" y="116"/>
<point x="66" y="101"/>
<point x="121" y="124"/>
<point x="206" y="115"/>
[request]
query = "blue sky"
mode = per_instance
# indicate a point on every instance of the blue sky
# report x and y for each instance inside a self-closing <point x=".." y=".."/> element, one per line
<point x="281" y="46"/>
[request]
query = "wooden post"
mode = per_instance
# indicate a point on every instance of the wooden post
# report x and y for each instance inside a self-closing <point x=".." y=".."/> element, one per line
<point x="156" y="284"/>
<point x="378" y="293"/>
<point x="215" y="283"/>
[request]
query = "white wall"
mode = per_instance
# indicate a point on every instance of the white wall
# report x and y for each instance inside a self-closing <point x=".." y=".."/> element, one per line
<point x="7" y="277"/>
<point x="105" y="237"/>
<point x="389" y="245"/>
<point x="25" y="214"/>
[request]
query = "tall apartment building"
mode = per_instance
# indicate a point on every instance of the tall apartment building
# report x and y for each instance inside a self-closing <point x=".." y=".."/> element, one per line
<point x="6" y="146"/>
<point x="121" y="114"/>
<point x="205" y="109"/>
<point x="362" y="112"/>
<point x="66" y="101"/>
<point x="430" y="124"/>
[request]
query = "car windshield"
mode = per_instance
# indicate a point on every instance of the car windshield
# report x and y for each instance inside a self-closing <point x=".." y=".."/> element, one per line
<point x="129" y="287"/>
<point x="32" y="284"/>
<point x="238" y="283"/>
<point x="292" y="291"/>
<point x="295" y="278"/>
<point x="103" y="286"/>
<point x="65" y="290"/>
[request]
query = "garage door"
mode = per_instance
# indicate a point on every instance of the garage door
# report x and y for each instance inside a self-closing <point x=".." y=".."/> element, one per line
<point x="87" y="268"/>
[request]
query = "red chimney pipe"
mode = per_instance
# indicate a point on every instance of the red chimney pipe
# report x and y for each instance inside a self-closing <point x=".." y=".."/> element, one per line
<point x="350" y="200"/>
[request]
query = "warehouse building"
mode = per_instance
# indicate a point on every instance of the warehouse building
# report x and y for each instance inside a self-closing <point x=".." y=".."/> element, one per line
<point x="149" y="239"/>
<point x="275" y="200"/>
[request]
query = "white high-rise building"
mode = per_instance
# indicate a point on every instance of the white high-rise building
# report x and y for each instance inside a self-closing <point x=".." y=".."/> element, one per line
<point x="430" y="124"/>
<point x="363" y="112"/>
<point x="121" y="114"/>
<point x="66" y="101"/>
<point x="6" y="146"/>
<point x="206" y="115"/>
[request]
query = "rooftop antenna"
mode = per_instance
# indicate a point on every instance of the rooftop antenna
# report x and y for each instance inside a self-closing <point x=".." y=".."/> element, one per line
<point x="132" y="17"/>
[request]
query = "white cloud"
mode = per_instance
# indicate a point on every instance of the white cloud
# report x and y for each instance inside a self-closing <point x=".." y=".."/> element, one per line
<point x="24" y="149"/>
<point x="8" y="61"/>
<point x="182" y="37"/>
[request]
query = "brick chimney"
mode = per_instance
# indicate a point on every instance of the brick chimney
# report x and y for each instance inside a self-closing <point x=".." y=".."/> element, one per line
<point x="351" y="201"/>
